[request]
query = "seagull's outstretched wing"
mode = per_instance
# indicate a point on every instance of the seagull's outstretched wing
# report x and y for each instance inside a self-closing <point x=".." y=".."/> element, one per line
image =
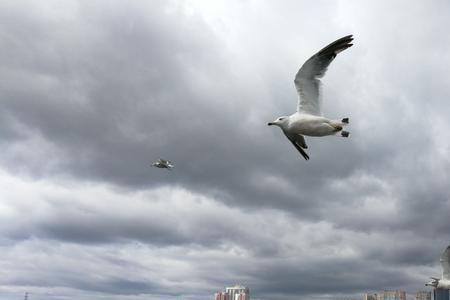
<point x="445" y="263"/>
<point x="307" y="80"/>
<point x="299" y="143"/>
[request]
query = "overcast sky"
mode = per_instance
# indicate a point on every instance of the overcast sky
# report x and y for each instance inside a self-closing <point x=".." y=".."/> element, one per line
<point x="92" y="92"/>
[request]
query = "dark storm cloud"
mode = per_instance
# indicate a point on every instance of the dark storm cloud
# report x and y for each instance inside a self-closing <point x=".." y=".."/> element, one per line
<point x="343" y="276"/>
<point x="126" y="87"/>
<point x="132" y="91"/>
<point x="91" y="93"/>
<point x="117" y="286"/>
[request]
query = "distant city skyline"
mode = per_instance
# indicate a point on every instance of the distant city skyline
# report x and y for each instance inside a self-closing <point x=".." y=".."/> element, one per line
<point x="423" y="295"/>
<point x="440" y="294"/>
<point x="236" y="292"/>
<point x="398" y="295"/>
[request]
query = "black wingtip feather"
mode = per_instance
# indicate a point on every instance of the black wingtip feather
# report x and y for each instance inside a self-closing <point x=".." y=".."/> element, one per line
<point x="299" y="149"/>
<point x="337" y="46"/>
<point x="345" y="133"/>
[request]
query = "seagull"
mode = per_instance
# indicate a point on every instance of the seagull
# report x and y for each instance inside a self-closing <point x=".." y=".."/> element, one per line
<point x="308" y="119"/>
<point x="444" y="282"/>
<point x="163" y="164"/>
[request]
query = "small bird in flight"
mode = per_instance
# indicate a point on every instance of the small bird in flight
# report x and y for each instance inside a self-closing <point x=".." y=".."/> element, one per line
<point x="163" y="164"/>
<point x="444" y="281"/>
<point x="308" y="119"/>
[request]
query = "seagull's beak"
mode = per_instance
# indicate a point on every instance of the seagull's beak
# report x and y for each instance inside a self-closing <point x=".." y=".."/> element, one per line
<point x="270" y="124"/>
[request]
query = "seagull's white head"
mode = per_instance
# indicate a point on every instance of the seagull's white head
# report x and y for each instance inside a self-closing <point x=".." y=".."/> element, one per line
<point x="281" y="122"/>
<point x="434" y="282"/>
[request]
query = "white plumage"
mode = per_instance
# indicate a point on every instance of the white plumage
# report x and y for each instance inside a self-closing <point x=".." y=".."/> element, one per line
<point x="308" y="119"/>
<point x="444" y="281"/>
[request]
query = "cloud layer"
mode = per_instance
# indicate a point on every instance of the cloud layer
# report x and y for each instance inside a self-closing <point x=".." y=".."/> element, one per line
<point x="91" y="93"/>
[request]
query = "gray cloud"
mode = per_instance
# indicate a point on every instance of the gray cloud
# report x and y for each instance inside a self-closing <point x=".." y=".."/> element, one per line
<point x="91" y="93"/>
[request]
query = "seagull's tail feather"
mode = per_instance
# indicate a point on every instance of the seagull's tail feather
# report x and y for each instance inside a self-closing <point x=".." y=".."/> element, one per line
<point x="345" y="133"/>
<point x="341" y="133"/>
<point x="345" y="122"/>
<point x="338" y="124"/>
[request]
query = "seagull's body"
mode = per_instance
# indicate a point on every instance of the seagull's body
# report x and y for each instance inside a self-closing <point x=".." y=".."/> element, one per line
<point x="308" y="119"/>
<point x="444" y="281"/>
<point x="163" y="164"/>
<point x="311" y="125"/>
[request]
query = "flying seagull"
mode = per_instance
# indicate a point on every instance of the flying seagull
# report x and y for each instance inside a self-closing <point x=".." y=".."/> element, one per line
<point x="444" y="282"/>
<point x="163" y="164"/>
<point x="308" y="119"/>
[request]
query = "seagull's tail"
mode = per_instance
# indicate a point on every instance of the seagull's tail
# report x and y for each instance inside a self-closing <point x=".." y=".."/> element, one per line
<point x="341" y="133"/>
<point x="345" y="122"/>
<point x="339" y="126"/>
<point x="340" y="123"/>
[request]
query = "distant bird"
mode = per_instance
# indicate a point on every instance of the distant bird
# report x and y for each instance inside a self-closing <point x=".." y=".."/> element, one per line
<point x="163" y="164"/>
<point x="308" y="120"/>
<point x="444" y="282"/>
